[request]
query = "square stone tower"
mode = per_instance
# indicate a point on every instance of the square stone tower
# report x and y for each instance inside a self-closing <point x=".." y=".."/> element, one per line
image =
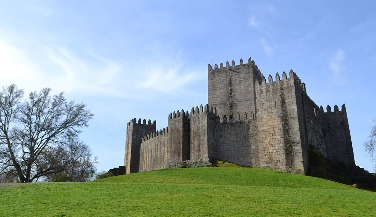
<point x="231" y="88"/>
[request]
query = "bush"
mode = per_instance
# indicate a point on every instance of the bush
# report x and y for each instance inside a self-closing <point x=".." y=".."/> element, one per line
<point x="103" y="175"/>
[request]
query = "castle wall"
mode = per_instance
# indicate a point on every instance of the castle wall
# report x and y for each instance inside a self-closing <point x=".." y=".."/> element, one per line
<point x="311" y="127"/>
<point x="154" y="152"/>
<point x="135" y="132"/>
<point x="337" y="135"/>
<point x="249" y="122"/>
<point x="178" y="137"/>
<point x="326" y="132"/>
<point x="234" y="141"/>
<point x="278" y="137"/>
<point x="231" y="88"/>
<point x="312" y="119"/>
<point x="202" y="133"/>
<point x="308" y="123"/>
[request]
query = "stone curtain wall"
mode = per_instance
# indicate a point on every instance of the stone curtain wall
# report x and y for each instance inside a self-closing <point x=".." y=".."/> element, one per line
<point x="234" y="142"/>
<point x="311" y="123"/>
<point x="154" y="150"/>
<point x="135" y="132"/>
<point x="327" y="132"/>
<point x="187" y="137"/>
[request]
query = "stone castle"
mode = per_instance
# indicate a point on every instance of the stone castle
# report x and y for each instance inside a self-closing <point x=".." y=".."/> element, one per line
<point x="248" y="121"/>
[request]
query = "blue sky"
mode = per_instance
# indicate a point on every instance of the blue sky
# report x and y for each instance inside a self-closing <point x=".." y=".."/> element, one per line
<point x="145" y="59"/>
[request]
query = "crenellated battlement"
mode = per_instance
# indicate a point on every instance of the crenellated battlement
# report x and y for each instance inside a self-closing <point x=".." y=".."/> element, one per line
<point x="319" y="111"/>
<point x="250" y="66"/>
<point x="278" y="81"/>
<point x="135" y="122"/>
<point x="162" y="132"/>
<point x="336" y="110"/>
<point x="203" y="109"/>
<point x="292" y="76"/>
<point x="178" y="114"/>
<point x="233" y="66"/>
<point x="194" y="111"/>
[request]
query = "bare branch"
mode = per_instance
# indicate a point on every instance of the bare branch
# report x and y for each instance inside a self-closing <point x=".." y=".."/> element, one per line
<point x="370" y="145"/>
<point x="28" y="128"/>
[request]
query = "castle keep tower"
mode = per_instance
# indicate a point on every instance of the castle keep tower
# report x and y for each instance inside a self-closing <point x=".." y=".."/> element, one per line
<point x="231" y="88"/>
<point x="250" y="121"/>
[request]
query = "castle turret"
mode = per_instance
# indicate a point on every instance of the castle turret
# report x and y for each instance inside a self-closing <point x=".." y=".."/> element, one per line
<point x="337" y="135"/>
<point x="135" y="132"/>
<point x="178" y="126"/>
<point x="203" y="121"/>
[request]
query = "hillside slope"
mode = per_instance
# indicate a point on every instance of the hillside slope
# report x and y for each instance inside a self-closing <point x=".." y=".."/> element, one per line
<point x="191" y="192"/>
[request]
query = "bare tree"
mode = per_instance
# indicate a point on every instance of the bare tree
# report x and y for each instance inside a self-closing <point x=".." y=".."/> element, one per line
<point x="371" y="143"/>
<point x="30" y="128"/>
<point x="73" y="159"/>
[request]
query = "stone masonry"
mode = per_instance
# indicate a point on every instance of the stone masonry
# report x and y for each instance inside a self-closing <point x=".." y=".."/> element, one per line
<point x="248" y="121"/>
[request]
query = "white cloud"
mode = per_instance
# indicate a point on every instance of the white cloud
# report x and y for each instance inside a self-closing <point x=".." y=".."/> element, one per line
<point x="16" y="67"/>
<point x="168" y="77"/>
<point x="86" y="73"/>
<point x="65" y="70"/>
<point x="58" y="68"/>
<point x="336" y="65"/>
<point x="268" y="49"/>
<point x="253" y="22"/>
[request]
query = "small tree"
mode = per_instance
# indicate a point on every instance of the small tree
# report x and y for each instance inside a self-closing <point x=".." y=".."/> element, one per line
<point x="371" y="143"/>
<point x="32" y="132"/>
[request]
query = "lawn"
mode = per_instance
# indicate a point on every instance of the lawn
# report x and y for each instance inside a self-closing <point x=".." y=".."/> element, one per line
<point x="191" y="192"/>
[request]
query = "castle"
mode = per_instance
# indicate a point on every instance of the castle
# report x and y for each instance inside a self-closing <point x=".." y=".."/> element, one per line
<point x="247" y="121"/>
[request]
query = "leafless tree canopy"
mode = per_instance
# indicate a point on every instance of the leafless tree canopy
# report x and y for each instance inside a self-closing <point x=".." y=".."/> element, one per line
<point x="72" y="158"/>
<point x="34" y="131"/>
<point x="371" y="143"/>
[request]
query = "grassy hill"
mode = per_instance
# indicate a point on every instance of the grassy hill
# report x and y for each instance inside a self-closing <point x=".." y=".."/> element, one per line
<point x="190" y="192"/>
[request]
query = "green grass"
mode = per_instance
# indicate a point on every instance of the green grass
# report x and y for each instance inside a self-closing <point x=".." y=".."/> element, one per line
<point x="7" y="185"/>
<point x="207" y="191"/>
